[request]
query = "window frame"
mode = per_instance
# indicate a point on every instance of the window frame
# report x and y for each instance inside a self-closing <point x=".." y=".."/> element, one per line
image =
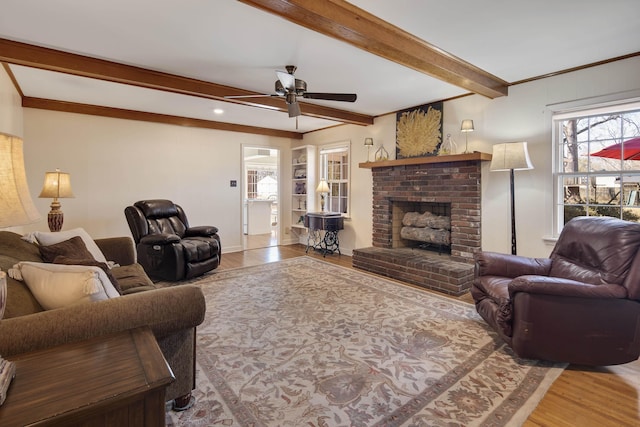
<point x="619" y="106"/>
<point x="335" y="185"/>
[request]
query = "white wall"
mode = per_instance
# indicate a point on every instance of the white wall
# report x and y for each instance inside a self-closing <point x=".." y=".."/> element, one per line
<point x="116" y="162"/>
<point x="357" y="229"/>
<point x="524" y="115"/>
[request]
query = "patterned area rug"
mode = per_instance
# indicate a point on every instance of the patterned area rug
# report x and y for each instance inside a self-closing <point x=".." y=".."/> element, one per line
<point x="302" y="342"/>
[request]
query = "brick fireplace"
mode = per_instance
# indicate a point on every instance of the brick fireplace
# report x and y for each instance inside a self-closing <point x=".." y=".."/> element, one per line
<point x="451" y="184"/>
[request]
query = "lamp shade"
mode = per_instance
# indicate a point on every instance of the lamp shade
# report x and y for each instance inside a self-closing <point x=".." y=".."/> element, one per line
<point x="368" y="141"/>
<point x="323" y="187"/>
<point x="511" y="155"/>
<point x="56" y="185"/>
<point x="16" y="206"/>
<point x="466" y="126"/>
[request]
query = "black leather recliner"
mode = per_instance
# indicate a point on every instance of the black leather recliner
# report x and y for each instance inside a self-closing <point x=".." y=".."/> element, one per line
<point x="168" y="249"/>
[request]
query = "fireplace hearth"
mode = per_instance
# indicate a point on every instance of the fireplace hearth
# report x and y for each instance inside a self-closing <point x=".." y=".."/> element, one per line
<point x="443" y="186"/>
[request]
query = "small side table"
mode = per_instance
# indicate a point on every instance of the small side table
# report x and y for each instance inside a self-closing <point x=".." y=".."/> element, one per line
<point x="323" y="231"/>
<point x="117" y="379"/>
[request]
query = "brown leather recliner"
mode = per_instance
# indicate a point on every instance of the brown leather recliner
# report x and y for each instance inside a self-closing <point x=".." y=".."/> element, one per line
<point x="167" y="247"/>
<point x="581" y="305"/>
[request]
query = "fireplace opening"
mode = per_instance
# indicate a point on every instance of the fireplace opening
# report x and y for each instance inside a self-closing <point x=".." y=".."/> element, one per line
<point x="421" y="225"/>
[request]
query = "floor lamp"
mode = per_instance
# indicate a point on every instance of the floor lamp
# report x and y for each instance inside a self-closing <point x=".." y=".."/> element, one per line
<point x="16" y="206"/>
<point x="509" y="157"/>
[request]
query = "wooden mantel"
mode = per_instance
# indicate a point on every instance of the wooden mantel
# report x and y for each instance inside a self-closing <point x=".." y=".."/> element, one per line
<point x="476" y="155"/>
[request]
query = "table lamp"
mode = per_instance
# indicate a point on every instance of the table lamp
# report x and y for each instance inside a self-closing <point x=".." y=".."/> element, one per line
<point x="466" y="126"/>
<point x="323" y="187"/>
<point x="368" y="142"/>
<point x="57" y="185"/>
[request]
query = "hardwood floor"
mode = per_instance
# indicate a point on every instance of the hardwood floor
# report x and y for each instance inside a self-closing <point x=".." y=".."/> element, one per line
<point x="581" y="396"/>
<point x="257" y="241"/>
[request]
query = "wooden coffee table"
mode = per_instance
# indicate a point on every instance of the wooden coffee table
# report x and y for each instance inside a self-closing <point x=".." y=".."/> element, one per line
<point x="113" y="380"/>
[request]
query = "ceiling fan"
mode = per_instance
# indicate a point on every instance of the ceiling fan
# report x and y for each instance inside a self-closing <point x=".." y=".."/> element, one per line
<point x="290" y="88"/>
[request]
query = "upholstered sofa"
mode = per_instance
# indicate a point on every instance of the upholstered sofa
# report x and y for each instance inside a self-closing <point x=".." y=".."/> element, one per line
<point x="172" y="313"/>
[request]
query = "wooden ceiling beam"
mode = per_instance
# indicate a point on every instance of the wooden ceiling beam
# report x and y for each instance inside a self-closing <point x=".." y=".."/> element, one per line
<point x="119" y="113"/>
<point x="54" y="60"/>
<point x="348" y="23"/>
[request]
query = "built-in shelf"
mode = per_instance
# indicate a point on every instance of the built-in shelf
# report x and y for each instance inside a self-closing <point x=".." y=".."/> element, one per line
<point x="303" y="179"/>
<point x="476" y="155"/>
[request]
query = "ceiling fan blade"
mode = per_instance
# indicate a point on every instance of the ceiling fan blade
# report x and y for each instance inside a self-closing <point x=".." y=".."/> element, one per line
<point x="294" y="109"/>
<point x="346" y="97"/>
<point x="287" y="80"/>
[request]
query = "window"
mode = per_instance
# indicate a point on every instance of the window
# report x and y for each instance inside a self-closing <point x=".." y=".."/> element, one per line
<point x="597" y="170"/>
<point x="262" y="182"/>
<point x="335" y="168"/>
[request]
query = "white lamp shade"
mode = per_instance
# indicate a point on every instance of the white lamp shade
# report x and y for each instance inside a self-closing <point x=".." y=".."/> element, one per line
<point x="368" y="141"/>
<point x="466" y="126"/>
<point x="16" y="206"/>
<point x="56" y="185"/>
<point x="511" y="155"/>
<point x="323" y="187"/>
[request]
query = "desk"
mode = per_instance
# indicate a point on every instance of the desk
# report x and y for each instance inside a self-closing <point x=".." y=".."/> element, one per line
<point x="117" y="379"/>
<point x="323" y="231"/>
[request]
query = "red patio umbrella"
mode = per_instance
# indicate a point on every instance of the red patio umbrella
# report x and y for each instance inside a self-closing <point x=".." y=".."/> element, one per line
<point x="631" y="150"/>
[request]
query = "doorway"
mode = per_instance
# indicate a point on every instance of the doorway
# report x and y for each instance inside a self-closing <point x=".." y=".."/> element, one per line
<point x="260" y="210"/>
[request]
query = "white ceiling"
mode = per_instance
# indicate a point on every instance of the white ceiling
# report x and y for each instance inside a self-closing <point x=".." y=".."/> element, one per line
<point x="230" y="43"/>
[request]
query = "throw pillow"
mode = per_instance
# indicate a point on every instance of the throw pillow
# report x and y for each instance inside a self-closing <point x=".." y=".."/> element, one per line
<point x="51" y="238"/>
<point x="61" y="259"/>
<point x="57" y="286"/>
<point x="72" y="248"/>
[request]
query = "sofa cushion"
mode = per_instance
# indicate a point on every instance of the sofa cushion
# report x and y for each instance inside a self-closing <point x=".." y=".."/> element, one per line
<point x="569" y="269"/>
<point x="14" y="249"/>
<point x="197" y="249"/>
<point x="71" y="248"/>
<point x="132" y="278"/>
<point x="595" y="250"/>
<point x="20" y="300"/>
<point x="51" y="238"/>
<point x="65" y="260"/>
<point x="57" y="286"/>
